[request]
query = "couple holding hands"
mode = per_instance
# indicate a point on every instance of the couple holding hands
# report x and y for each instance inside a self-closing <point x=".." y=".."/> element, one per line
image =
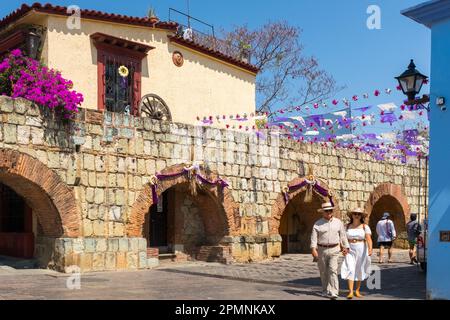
<point x="329" y="238"/>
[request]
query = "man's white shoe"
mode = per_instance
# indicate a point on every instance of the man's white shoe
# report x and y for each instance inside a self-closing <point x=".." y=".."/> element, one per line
<point x="324" y="294"/>
<point x="333" y="296"/>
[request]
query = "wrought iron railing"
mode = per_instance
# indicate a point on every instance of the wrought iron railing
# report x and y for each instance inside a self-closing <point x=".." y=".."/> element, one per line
<point x="208" y="37"/>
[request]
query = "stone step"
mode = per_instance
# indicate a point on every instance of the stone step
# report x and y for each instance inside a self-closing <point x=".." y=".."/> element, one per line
<point x="152" y="252"/>
<point x="167" y="256"/>
<point x="214" y="254"/>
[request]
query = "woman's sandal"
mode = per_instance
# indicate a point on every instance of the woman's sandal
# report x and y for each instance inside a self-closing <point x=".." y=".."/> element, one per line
<point x="358" y="294"/>
<point x="350" y="295"/>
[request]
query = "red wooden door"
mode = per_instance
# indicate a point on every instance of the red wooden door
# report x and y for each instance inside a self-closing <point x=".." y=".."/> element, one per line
<point x="16" y="225"/>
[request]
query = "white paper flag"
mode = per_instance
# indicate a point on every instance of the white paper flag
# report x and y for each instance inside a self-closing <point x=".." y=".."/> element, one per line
<point x="409" y="115"/>
<point x="340" y="113"/>
<point x="387" y="106"/>
<point x="311" y="133"/>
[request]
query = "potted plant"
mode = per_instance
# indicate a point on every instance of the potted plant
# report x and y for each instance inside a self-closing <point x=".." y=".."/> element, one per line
<point x="245" y="49"/>
<point x="151" y="14"/>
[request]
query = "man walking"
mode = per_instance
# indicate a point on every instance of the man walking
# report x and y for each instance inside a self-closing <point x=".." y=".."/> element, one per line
<point x="413" y="229"/>
<point x="386" y="236"/>
<point x="327" y="239"/>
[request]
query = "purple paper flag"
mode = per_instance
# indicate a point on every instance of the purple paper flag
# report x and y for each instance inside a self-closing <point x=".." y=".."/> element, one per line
<point x="410" y="136"/>
<point x="388" y="118"/>
<point x="363" y="109"/>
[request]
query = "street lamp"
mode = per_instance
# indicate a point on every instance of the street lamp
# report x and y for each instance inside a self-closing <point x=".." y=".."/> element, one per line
<point x="33" y="42"/>
<point x="411" y="82"/>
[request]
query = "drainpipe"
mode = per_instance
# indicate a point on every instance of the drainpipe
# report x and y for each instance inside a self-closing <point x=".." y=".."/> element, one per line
<point x="420" y="187"/>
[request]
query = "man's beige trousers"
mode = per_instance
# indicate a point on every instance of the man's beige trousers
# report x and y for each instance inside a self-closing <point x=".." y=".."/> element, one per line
<point x="328" y="266"/>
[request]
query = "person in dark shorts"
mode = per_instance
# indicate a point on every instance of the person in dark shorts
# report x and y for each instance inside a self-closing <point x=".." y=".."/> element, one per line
<point x="413" y="229"/>
<point x="386" y="235"/>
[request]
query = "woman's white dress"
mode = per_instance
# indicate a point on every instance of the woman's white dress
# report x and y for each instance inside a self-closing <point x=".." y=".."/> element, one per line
<point x="356" y="265"/>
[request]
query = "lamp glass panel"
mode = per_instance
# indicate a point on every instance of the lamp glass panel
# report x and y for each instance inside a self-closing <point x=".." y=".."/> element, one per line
<point x="408" y="84"/>
<point x="419" y="83"/>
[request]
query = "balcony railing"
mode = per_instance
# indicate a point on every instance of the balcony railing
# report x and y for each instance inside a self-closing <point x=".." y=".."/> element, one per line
<point x="207" y="38"/>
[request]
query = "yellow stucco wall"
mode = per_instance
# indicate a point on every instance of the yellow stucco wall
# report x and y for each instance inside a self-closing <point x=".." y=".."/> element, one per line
<point x="202" y="86"/>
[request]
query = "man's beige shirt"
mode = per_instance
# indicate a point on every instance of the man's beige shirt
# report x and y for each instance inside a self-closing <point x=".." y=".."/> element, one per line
<point x="329" y="232"/>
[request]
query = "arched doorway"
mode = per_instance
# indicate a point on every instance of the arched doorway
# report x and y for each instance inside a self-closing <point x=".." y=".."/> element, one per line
<point x="182" y="223"/>
<point x="391" y="205"/>
<point x="187" y="224"/>
<point x="17" y="226"/>
<point x="294" y="221"/>
<point x="297" y="222"/>
<point x="389" y="198"/>
<point x="35" y="202"/>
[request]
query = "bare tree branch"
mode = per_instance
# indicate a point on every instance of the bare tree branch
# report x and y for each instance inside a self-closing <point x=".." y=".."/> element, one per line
<point x="286" y="73"/>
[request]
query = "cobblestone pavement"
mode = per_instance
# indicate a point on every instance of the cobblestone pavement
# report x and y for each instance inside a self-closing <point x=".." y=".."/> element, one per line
<point x="289" y="278"/>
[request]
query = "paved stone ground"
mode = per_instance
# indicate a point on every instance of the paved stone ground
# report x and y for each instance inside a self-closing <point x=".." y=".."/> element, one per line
<point x="289" y="278"/>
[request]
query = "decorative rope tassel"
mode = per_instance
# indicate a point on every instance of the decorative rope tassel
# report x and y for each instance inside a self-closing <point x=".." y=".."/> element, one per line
<point x="309" y="193"/>
<point x="154" y="186"/>
<point x="286" y="194"/>
<point x="310" y="179"/>
<point x="193" y="183"/>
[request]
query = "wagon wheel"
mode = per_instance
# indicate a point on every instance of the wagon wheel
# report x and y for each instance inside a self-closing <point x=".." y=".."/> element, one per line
<point x="152" y="106"/>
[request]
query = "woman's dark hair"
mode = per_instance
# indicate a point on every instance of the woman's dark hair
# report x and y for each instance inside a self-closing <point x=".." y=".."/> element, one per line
<point x="362" y="220"/>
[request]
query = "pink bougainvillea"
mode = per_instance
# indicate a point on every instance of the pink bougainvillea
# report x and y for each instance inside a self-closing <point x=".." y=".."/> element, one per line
<point x="21" y="76"/>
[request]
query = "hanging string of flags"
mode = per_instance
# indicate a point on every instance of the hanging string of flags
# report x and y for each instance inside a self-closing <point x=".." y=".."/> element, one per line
<point x="331" y="122"/>
<point x="338" y="128"/>
<point x="385" y="109"/>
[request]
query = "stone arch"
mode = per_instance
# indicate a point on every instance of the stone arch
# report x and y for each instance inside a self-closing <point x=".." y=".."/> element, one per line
<point x="294" y="221"/>
<point x="391" y="198"/>
<point x="51" y="199"/>
<point x="279" y="207"/>
<point x="222" y="198"/>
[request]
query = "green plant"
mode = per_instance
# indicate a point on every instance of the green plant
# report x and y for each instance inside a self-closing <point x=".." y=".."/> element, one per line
<point x="245" y="46"/>
<point x="151" y="13"/>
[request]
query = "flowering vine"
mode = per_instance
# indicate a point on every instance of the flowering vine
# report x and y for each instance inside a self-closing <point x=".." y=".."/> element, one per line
<point x="21" y="76"/>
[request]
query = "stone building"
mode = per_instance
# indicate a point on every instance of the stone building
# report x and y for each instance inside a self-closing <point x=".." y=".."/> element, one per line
<point x="162" y="64"/>
<point x="110" y="190"/>
<point x="82" y="190"/>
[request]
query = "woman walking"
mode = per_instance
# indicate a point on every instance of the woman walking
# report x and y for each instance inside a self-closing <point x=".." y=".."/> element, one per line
<point x="356" y="265"/>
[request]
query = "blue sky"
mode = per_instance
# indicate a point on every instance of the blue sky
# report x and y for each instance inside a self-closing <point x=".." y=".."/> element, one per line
<point x="333" y="31"/>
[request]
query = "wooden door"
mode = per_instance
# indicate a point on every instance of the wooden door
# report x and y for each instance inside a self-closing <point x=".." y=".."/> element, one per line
<point x="158" y="224"/>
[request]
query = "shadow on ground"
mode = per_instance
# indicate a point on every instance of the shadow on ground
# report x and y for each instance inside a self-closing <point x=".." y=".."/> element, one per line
<point x="401" y="283"/>
<point x="19" y="264"/>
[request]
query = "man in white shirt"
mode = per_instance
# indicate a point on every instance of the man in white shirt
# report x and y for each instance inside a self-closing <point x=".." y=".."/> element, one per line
<point x="386" y="235"/>
<point x="327" y="239"/>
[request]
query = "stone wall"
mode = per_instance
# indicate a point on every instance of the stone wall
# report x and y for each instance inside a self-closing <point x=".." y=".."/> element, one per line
<point x="104" y="163"/>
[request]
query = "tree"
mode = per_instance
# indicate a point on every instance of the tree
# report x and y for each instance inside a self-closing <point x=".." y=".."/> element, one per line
<point x="287" y="75"/>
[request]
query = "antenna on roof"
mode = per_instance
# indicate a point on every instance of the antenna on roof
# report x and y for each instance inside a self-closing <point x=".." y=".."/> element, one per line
<point x="188" y="13"/>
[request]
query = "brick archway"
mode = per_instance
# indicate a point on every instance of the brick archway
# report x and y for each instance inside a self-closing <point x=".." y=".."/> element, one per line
<point x="51" y="199"/>
<point x="222" y="198"/>
<point x="390" y="198"/>
<point x="279" y="207"/>
<point x="391" y="190"/>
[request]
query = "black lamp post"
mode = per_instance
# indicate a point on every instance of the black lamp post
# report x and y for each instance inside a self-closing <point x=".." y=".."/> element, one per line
<point x="33" y="42"/>
<point x="411" y="82"/>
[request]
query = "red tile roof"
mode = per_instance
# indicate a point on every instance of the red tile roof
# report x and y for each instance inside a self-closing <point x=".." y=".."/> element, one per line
<point x="214" y="53"/>
<point x="87" y="14"/>
<point x="118" y="18"/>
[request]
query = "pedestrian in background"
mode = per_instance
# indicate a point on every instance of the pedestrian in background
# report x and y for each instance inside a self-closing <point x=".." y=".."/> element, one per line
<point x="386" y="236"/>
<point x="413" y="229"/>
